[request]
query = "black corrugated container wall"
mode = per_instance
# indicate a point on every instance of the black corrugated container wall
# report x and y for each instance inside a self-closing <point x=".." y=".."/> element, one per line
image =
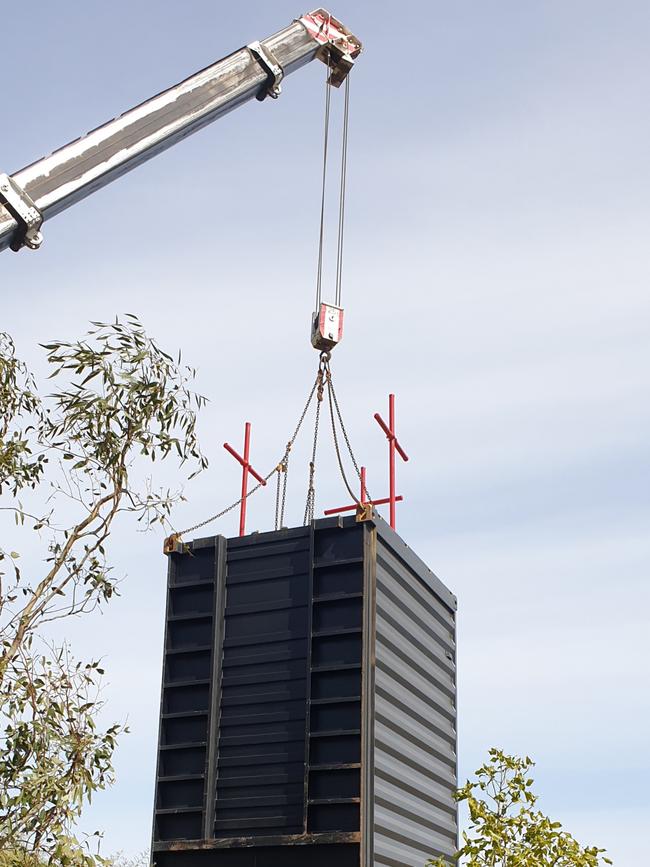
<point x="308" y="712"/>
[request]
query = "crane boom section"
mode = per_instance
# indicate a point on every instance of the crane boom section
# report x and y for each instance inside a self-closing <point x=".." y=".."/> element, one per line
<point x="76" y="170"/>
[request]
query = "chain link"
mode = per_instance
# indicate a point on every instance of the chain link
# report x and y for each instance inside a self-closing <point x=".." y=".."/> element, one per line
<point x="311" y="490"/>
<point x="332" y="404"/>
<point x="323" y="380"/>
<point x="283" y="463"/>
<point x="345" y="433"/>
<point x="278" y="470"/>
<point x="285" y="470"/>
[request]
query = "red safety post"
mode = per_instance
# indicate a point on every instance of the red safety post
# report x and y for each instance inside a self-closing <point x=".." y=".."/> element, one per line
<point x="363" y="500"/>
<point x="246" y="469"/>
<point x="393" y="446"/>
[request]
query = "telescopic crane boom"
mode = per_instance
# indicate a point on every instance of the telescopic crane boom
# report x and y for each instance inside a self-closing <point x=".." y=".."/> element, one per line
<point x="54" y="183"/>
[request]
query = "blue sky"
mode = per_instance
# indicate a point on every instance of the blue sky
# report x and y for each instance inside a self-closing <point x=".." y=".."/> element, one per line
<point x="496" y="279"/>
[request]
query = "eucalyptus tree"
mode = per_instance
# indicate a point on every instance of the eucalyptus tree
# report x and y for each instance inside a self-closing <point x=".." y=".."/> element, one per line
<point x="505" y="827"/>
<point x="68" y="467"/>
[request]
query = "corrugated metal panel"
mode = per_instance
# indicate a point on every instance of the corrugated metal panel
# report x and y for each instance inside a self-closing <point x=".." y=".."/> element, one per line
<point x="334" y="787"/>
<point x="187" y="690"/>
<point x="262" y="719"/>
<point x="415" y="710"/>
<point x="308" y="710"/>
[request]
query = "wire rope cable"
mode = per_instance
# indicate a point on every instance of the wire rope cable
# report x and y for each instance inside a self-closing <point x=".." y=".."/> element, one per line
<point x="323" y="381"/>
<point x="342" y="192"/>
<point x="324" y="375"/>
<point x="321" y="235"/>
<point x="283" y="463"/>
<point x="310" y="504"/>
<point x="334" y="407"/>
<point x="344" y="431"/>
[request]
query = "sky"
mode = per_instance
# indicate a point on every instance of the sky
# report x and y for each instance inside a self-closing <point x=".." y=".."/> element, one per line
<point x="496" y="280"/>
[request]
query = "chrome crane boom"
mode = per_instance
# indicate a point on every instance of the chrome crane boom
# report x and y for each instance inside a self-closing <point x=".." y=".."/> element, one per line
<point x="54" y="183"/>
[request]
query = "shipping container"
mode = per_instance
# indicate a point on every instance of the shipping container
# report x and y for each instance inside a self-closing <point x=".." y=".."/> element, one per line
<point x="308" y="712"/>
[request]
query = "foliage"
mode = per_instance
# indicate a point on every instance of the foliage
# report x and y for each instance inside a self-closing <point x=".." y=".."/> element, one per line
<point x="119" y="859"/>
<point x="507" y="829"/>
<point x="120" y="397"/>
<point x="18" y="467"/>
<point x="19" y="859"/>
<point x="142" y="859"/>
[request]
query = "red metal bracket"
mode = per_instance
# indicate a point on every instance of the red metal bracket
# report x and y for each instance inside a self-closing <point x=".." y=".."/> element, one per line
<point x="393" y="446"/>
<point x="363" y="500"/>
<point x="246" y="469"/>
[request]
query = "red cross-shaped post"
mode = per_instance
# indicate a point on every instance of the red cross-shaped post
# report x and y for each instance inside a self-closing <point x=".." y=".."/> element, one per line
<point x="246" y="469"/>
<point x="363" y="500"/>
<point x="393" y="446"/>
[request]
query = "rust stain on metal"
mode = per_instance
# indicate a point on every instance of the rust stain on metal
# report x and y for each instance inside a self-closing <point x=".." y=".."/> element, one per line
<point x="248" y="842"/>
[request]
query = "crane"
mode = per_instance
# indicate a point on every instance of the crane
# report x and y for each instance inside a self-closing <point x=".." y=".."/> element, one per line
<point x="52" y="184"/>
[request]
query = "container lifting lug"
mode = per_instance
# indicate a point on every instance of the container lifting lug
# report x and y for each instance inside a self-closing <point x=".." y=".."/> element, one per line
<point x="24" y="211"/>
<point x="173" y="545"/>
<point x="327" y="327"/>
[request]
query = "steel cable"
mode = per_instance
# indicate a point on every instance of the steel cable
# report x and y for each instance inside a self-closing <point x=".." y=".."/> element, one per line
<point x="342" y="196"/>
<point x="310" y="505"/>
<point x="283" y="463"/>
<point x="332" y="404"/>
<point x="323" y="377"/>
<point x="321" y="237"/>
<point x="344" y="431"/>
<point x="342" y="192"/>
